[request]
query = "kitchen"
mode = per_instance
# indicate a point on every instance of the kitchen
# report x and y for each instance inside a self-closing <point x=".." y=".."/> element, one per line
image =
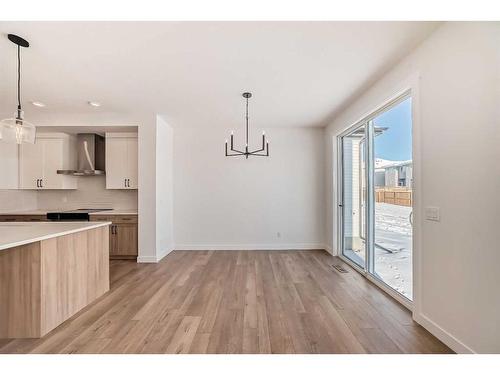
<point x="79" y="182"/>
<point x="77" y="175"/>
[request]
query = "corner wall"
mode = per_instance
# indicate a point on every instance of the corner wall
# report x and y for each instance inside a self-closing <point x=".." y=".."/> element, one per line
<point x="164" y="188"/>
<point x="458" y="112"/>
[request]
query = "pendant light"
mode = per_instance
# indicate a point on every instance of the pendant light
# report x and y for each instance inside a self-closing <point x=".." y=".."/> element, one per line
<point x="17" y="129"/>
<point x="264" y="151"/>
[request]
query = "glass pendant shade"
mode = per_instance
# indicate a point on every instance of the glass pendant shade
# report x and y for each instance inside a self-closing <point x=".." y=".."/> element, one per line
<point x="17" y="130"/>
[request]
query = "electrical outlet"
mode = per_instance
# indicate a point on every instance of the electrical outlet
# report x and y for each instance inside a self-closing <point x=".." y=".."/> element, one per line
<point x="432" y="213"/>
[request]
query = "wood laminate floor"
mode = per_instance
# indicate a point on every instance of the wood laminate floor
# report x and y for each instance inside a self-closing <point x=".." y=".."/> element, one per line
<point x="237" y="302"/>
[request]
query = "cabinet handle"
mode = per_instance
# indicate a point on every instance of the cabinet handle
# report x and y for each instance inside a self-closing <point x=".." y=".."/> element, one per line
<point x="37" y="182"/>
<point x="41" y="182"/>
<point x="128" y="182"/>
<point x="125" y="182"/>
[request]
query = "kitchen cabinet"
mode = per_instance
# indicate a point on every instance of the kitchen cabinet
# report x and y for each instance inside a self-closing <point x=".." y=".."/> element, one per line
<point x="39" y="162"/>
<point x="22" y="218"/>
<point x="9" y="155"/>
<point x="123" y="235"/>
<point x="121" y="161"/>
<point x="125" y="240"/>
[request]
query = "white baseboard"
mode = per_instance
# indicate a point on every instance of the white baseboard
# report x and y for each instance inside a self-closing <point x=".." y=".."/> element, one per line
<point x="164" y="253"/>
<point x="252" y="247"/>
<point x="453" y="343"/>
<point x="153" y="258"/>
<point x="147" y="259"/>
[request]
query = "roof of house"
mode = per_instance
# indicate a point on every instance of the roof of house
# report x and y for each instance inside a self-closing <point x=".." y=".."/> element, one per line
<point x="383" y="163"/>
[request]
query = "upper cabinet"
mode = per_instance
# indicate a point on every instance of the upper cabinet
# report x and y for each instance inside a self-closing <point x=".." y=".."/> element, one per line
<point x="121" y="161"/>
<point x="10" y="164"/>
<point x="38" y="163"/>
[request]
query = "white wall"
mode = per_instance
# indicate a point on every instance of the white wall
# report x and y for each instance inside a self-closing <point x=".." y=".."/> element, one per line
<point x="232" y="203"/>
<point x="458" y="114"/>
<point x="147" y="191"/>
<point x="164" y="188"/>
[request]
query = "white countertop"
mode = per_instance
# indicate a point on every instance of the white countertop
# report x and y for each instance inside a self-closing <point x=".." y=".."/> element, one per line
<point x="130" y="211"/>
<point x="21" y="233"/>
<point x="116" y="212"/>
<point x="31" y="212"/>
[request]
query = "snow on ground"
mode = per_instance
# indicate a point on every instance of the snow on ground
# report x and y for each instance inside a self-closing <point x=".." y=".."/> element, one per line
<point x="393" y="251"/>
<point x="393" y="231"/>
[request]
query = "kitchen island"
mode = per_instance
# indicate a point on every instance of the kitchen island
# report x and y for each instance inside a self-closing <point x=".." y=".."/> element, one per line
<point x="48" y="272"/>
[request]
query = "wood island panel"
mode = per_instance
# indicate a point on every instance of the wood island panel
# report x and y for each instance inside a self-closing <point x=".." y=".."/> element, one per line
<point x="20" y="274"/>
<point x="45" y="283"/>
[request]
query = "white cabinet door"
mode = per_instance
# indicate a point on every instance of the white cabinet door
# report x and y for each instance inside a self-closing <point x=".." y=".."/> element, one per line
<point x="116" y="163"/>
<point x="132" y="155"/>
<point x="9" y="162"/>
<point x="121" y="161"/>
<point x="30" y="165"/>
<point x="52" y="161"/>
<point x="38" y="163"/>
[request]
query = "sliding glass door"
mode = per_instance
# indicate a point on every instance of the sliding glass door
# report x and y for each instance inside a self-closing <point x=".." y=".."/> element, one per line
<point x="376" y="197"/>
<point x="354" y="195"/>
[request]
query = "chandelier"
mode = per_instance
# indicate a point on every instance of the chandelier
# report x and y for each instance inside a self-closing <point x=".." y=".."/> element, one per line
<point x="264" y="151"/>
<point x="17" y="129"/>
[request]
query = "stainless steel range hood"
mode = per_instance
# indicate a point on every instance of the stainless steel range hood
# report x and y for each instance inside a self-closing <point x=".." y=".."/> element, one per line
<point x="91" y="156"/>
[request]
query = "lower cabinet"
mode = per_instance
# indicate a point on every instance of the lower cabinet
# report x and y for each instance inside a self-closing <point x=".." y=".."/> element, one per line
<point x="9" y="218"/>
<point x="123" y="235"/>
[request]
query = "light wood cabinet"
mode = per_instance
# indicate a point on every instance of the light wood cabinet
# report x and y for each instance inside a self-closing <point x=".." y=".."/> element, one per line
<point x="125" y="240"/>
<point x="121" y="161"/>
<point x="39" y="162"/>
<point x="123" y="235"/>
<point x="10" y="218"/>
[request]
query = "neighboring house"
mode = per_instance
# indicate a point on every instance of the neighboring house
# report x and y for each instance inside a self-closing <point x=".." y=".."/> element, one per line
<point x="390" y="173"/>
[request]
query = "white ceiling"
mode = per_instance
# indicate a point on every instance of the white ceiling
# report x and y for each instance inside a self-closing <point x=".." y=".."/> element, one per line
<point x="193" y="73"/>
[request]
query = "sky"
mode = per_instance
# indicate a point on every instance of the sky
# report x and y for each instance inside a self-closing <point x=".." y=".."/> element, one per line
<point x="395" y="142"/>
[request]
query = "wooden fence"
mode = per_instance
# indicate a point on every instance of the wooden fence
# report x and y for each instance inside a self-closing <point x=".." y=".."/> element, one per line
<point x="398" y="196"/>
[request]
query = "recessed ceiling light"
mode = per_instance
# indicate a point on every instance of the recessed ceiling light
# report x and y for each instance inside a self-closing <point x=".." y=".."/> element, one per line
<point x="38" y="104"/>
<point x="94" y="104"/>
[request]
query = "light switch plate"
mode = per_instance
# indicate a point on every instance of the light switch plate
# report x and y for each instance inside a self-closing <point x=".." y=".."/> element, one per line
<point x="432" y="213"/>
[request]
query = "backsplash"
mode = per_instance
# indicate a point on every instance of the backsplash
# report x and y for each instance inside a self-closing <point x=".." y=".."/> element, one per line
<point x="91" y="193"/>
<point x="18" y="200"/>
